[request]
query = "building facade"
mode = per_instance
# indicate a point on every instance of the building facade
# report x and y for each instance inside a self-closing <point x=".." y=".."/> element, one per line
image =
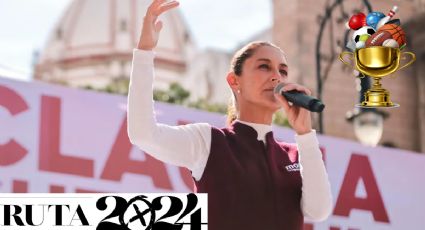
<point x="296" y="29"/>
<point x="92" y="45"/>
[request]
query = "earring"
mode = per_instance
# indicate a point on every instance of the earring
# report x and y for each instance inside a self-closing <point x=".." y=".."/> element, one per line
<point x="239" y="91"/>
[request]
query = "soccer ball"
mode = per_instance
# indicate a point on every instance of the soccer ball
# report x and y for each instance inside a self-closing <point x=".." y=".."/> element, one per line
<point x="361" y="35"/>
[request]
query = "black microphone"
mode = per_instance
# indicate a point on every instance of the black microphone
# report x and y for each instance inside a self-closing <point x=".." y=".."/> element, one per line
<point x="300" y="99"/>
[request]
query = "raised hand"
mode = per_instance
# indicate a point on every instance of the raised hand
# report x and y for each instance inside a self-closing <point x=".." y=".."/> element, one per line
<point x="151" y="25"/>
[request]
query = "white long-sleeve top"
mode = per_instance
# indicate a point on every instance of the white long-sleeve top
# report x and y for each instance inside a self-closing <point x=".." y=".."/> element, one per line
<point x="189" y="145"/>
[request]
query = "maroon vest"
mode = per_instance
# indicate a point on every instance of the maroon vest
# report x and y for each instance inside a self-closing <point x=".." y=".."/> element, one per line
<point x="251" y="186"/>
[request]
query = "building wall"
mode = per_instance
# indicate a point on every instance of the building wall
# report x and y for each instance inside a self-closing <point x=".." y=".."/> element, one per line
<point x="296" y="28"/>
<point x="92" y="45"/>
<point x="416" y="26"/>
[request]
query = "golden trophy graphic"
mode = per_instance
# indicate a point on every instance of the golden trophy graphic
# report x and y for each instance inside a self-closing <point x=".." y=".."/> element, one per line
<point x="377" y="62"/>
<point x="376" y="43"/>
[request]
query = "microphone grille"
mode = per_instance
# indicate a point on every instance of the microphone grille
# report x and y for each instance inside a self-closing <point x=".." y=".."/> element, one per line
<point x="278" y="88"/>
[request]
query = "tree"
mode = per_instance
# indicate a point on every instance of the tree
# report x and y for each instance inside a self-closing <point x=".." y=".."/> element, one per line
<point x="176" y="94"/>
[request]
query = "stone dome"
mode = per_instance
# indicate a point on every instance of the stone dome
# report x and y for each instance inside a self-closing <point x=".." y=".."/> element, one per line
<point x="92" y="44"/>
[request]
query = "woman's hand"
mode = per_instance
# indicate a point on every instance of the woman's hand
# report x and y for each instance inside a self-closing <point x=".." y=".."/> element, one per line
<point x="151" y="26"/>
<point x="298" y="117"/>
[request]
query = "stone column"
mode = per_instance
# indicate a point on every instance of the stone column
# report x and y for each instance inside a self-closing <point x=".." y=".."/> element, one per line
<point x="416" y="27"/>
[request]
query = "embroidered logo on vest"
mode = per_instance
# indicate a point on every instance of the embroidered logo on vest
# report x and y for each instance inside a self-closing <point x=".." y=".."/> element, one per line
<point x="293" y="167"/>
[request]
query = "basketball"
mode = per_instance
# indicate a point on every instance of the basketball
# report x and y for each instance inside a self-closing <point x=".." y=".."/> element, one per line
<point x="396" y="32"/>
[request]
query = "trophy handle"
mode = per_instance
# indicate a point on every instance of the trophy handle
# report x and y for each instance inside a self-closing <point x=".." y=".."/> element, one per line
<point x="412" y="55"/>
<point x="361" y="75"/>
<point x="343" y="54"/>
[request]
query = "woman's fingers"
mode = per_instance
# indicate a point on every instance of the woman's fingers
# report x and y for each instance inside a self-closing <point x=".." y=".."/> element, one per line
<point x="290" y="87"/>
<point x="154" y="5"/>
<point x="151" y="12"/>
<point x="158" y="7"/>
<point x="293" y="86"/>
<point x="158" y="26"/>
<point x="157" y="2"/>
<point x="283" y="101"/>
<point x="151" y="26"/>
<point x="298" y="117"/>
<point x="297" y="88"/>
<point x="302" y="114"/>
<point x="167" y="6"/>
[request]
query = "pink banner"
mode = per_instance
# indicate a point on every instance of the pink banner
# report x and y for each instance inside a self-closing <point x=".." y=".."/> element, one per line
<point x="58" y="139"/>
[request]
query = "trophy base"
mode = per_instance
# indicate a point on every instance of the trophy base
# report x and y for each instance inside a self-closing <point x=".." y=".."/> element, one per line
<point x="393" y="105"/>
<point x="377" y="98"/>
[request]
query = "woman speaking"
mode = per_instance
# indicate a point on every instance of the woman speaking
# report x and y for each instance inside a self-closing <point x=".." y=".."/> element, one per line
<point x="252" y="180"/>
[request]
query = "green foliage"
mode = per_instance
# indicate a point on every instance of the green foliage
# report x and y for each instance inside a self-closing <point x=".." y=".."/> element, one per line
<point x="176" y="94"/>
<point x="203" y="104"/>
<point x="280" y="119"/>
<point x="118" y="86"/>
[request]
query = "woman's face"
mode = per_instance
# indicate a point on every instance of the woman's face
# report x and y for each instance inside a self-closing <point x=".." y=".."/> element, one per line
<point x="260" y="74"/>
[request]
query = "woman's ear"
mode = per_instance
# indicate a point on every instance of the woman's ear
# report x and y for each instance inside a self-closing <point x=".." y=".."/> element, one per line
<point x="233" y="81"/>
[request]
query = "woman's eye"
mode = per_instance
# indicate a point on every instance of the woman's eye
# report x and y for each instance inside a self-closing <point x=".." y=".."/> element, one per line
<point x="264" y="66"/>
<point x="283" y="72"/>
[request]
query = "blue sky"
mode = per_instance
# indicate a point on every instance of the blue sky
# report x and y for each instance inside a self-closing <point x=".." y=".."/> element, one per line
<point x="25" y="25"/>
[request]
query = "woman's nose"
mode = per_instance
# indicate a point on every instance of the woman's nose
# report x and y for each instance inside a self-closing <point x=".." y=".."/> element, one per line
<point x="274" y="79"/>
<point x="276" y="76"/>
